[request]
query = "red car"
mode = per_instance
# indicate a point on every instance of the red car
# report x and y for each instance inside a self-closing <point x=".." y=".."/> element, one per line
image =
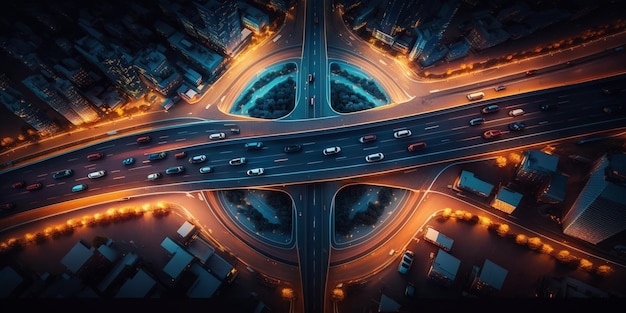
<point x="493" y="133"/>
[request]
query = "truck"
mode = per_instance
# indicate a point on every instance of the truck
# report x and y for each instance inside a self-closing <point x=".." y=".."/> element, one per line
<point x="435" y="237"/>
<point x="475" y="96"/>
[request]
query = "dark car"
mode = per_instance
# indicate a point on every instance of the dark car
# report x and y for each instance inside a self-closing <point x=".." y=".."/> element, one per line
<point x="490" y="109"/>
<point x="18" y="184"/>
<point x="157" y="156"/>
<point x="35" y="186"/>
<point x="549" y="106"/>
<point x="531" y="72"/>
<point x="144" y="139"/>
<point x="95" y="156"/>
<point x="62" y="174"/>
<point x="416" y="146"/>
<point x="175" y="170"/>
<point x="128" y="161"/>
<point x="292" y="148"/>
<point x="367" y="138"/>
<point x="517" y="126"/>
<point x="257" y="145"/>
<point x="180" y="155"/>
<point x="6" y="206"/>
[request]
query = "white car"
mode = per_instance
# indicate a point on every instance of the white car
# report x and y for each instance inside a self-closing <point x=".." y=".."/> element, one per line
<point x="402" y="134"/>
<point x="375" y="157"/>
<point x="331" y="150"/>
<point x="97" y="174"/>
<point x="237" y="161"/>
<point x="217" y="136"/>
<point x="154" y="176"/>
<point x="197" y="159"/>
<point x="255" y="171"/>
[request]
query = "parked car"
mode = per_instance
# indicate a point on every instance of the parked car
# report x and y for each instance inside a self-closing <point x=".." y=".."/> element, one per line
<point x="416" y="146"/>
<point x="255" y="171"/>
<point x="95" y="156"/>
<point x="406" y="262"/>
<point x="180" y="155"/>
<point x="477" y="121"/>
<point x="292" y="148"/>
<point x="154" y="176"/>
<point x="367" y="138"/>
<point x="206" y="169"/>
<point x="97" y="174"/>
<point x="237" y="161"/>
<point x="144" y="139"/>
<point x="493" y="133"/>
<point x="175" y="170"/>
<point x="257" y="145"/>
<point x="517" y="126"/>
<point x="128" y="161"/>
<point x="79" y="187"/>
<point x="402" y="134"/>
<point x="490" y="109"/>
<point x="197" y="159"/>
<point x="217" y="136"/>
<point x="62" y="174"/>
<point x="331" y="150"/>
<point x="375" y="157"/>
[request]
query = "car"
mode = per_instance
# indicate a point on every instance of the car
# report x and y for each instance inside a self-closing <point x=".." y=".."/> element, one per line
<point x="406" y="262"/>
<point x="95" y="156"/>
<point x="292" y="148"/>
<point x="217" y="136"/>
<point x="530" y="72"/>
<point x="331" y="150"/>
<point x="180" y="155"/>
<point x="316" y="20"/>
<point x="79" y="187"/>
<point x="416" y="146"/>
<point x="154" y="176"/>
<point x="257" y="145"/>
<point x="157" y="156"/>
<point x="490" y="109"/>
<point x="409" y="290"/>
<point x="549" y="106"/>
<point x="237" y="161"/>
<point x="493" y="133"/>
<point x="402" y="133"/>
<point x="206" y="169"/>
<point x="517" y="126"/>
<point x="312" y="101"/>
<point x="608" y="91"/>
<point x="375" y="157"/>
<point x="144" y="139"/>
<point x="175" y="170"/>
<point x="62" y="174"/>
<point x="97" y="174"/>
<point x="477" y="121"/>
<point x="128" y="161"/>
<point x="613" y="109"/>
<point x="500" y="88"/>
<point x="235" y="131"/>
<point x="517" y="112"/>
<point x="367" y="138"/>
<point x="6" y="206"/>
<point x="197" y="159"/>
<point x="18" y="184"/>
<point x="255" y="171"/>
<point x="311" y="77"/>
<point x="34" y="186"/>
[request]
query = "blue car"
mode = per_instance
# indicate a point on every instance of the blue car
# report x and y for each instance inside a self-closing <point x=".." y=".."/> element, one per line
<point x="129" y="161"/>
<point x="517" y="126"/>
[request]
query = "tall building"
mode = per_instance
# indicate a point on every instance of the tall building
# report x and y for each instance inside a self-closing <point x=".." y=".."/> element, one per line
<point x="599" y="212"/>
<point x="45" y="91"/>
<point x="222" y="24"/>
<point x="388" y="26"/>
<point x="158" y="72"/>
<point x="15" y="102"/>
<point x="78" y="103"/>
<point x="115" y="64"/>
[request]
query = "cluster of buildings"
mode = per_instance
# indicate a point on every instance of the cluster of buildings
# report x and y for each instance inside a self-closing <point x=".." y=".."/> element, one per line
<point x="84" y="60"/>
<point x="193" y="270"/>
<point x="418" y="28"/>
<point x="598" y="213"/>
